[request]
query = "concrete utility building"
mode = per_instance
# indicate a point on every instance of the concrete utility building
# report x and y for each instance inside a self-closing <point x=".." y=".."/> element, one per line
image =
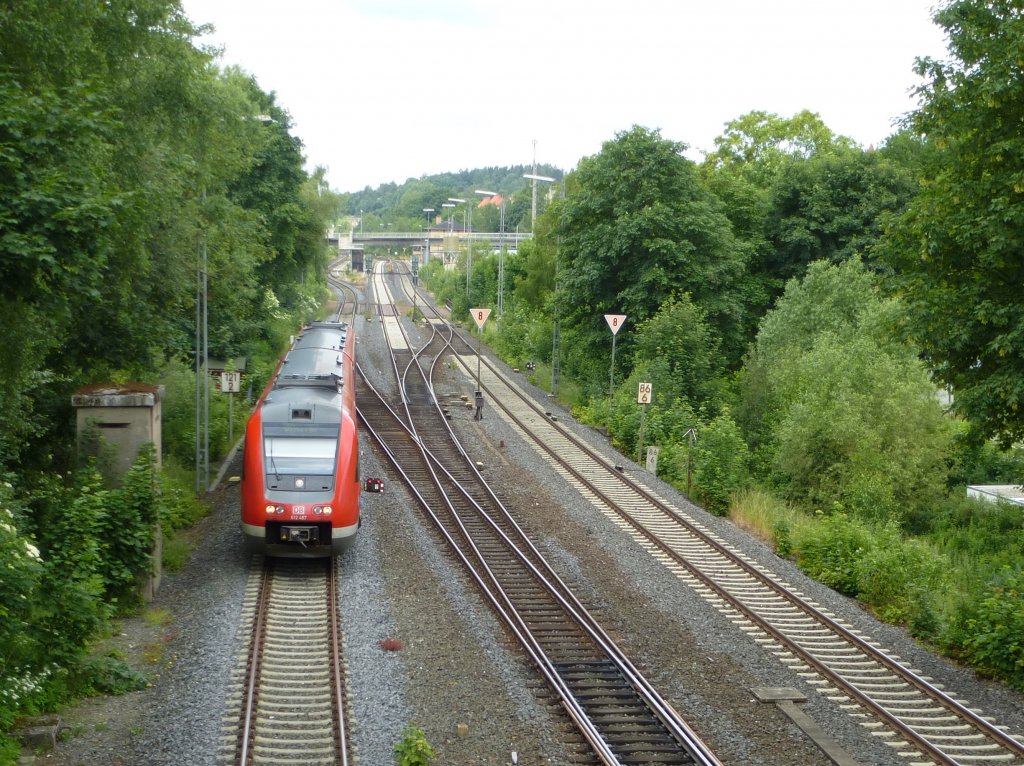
<point x="127" y="416"/>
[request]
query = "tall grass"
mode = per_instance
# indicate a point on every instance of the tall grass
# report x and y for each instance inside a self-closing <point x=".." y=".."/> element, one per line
<point x="769" y="519"/>
<point x="891" y="574"/>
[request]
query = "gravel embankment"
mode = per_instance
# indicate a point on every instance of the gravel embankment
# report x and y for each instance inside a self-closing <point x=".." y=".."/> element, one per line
<point x="457" y="674"/>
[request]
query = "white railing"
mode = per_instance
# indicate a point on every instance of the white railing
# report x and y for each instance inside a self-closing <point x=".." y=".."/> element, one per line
<point x="510" y="237"/>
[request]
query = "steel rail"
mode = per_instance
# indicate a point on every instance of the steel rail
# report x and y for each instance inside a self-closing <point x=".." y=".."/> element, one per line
<point x="504" y="610"/>
<point x="669" y="717"/>
<point x="655" y="704"/>
<point x="937" y="695"/>
<point x="558" y="590"/>
<point x="337" y="679"/>
<point x="248" y="712"/>
<point x="984" y="726"/>
<point x="501" y="605"/>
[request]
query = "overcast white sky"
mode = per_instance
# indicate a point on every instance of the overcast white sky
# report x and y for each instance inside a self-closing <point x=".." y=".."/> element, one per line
<point x="386" y="90"/>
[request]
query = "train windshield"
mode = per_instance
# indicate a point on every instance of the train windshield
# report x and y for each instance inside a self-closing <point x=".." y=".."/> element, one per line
<point x="304" y="455"/>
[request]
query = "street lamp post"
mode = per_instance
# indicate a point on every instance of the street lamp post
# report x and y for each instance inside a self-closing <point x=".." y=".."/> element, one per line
<point x="534" y="178"/>
<point x="426" y="249"/>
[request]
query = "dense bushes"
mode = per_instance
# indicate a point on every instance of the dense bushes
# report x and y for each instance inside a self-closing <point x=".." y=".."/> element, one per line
<point x="720" y="463"/>
<point x="898" y="578"/>
<point x="846" y="412"/>
<point x="989" y="632"/>
<point x="946" y="586"/>
<point x="59" y="593"/>
<point x="22" y="671"/>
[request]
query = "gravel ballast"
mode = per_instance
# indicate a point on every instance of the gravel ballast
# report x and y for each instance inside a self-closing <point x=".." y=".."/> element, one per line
<point x="457" y="674"/>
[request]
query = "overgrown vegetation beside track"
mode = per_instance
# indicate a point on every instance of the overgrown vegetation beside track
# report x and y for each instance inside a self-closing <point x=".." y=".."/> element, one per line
<point x="831" y="443"/>
<point x="777" y="296"/>
<point x="129" y="165"/>
<point x="802" y="308"/>
<point x="93" y="544"/>
<point x="957" y="586"/>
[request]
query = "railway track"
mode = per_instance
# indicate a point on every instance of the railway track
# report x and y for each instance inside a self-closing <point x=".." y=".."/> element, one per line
<point x="287" y="707"/>
<point x="918" y="720"/>
<point x="348" y="299"/>
<point x="921" y="722"/>
<point x="619" y="714"/>
<point x="286" y="702"/>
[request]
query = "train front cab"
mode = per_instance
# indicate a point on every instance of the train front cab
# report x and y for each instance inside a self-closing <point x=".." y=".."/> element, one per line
<point x="287" y="519"/>
<point x="300" y="489"/>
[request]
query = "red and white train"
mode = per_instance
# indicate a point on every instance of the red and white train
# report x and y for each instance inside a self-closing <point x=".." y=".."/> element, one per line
<point x="300" y="475"/>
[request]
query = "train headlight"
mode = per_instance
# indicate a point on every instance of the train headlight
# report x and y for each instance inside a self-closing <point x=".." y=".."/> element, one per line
<point x="280" y="509"/>
<point x="324" y="510"/>
<point x="270" y="509"/>
<point x="300" y="483"/>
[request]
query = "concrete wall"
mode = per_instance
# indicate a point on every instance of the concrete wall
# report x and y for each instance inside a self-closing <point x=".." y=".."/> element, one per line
<point x="127" y="417"/>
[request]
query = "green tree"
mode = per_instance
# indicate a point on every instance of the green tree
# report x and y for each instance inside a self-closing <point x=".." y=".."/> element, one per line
<point x="678" y="335"/>
<point x="538" y="280"/>
<point x="636" y="226"/>
<point x="120" y="164"/>
<point x="759" y="144"/>
<point x="417" y="194"/>
<point x="75" y="135"/>
<point x="848" y="414"/>
<point x="960" y="252"/>
<point x="795" y="192"/>
<point x="829" y="207"/>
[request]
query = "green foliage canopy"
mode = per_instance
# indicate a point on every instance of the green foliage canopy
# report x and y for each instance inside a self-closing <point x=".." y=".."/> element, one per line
<point x="830" y="206"/>
<point x="849" y="414"/>
<point x="636" y="226"/>
<point x="759" y="144"/>
<point x="122" y="159"/>
<point x="960" y="255"/>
